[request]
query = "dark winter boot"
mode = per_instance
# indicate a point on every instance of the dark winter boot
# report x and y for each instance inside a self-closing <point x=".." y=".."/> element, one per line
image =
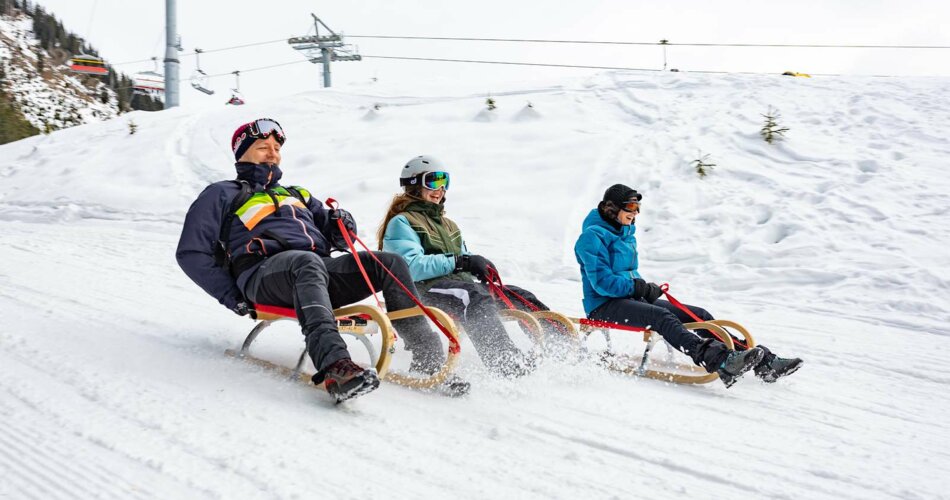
<point x="345" y="379"/>
<point x="737" y="363"/>
<point x="773" y="368"/>
<point x="454" y="386"/>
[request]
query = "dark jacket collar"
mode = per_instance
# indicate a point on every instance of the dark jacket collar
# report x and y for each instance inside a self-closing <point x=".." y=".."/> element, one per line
<point x="262" y="174"/>
<point x="433" y="210"/>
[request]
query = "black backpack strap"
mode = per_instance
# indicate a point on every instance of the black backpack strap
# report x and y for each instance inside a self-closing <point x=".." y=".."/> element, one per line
<point x="221" y="254"/>
<point x="295" y="192"/>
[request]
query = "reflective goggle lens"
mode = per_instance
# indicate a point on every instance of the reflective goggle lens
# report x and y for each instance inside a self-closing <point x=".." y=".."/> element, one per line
<point x="632" y="206"/>
<point x="436" y="180"/>
<point x="263" y="128"/>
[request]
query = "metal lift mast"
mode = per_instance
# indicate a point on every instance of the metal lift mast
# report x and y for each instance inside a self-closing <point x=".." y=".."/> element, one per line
<point x="324" y="49"/>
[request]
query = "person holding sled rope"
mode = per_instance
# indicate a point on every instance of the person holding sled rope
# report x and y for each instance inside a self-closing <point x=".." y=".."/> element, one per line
<point x="252" y="240"/>
<point x="416" y="228"/>
<point x="615" y="292"/>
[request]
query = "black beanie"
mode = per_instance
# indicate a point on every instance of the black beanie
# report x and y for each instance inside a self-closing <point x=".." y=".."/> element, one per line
<point x="620" y="195"/>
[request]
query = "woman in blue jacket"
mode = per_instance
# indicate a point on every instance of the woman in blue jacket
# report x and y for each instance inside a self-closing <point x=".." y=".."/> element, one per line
<point x="445" y="272"/>
<point x="615" y="292"/>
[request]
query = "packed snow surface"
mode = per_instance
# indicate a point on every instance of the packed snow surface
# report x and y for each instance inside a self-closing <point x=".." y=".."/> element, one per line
<point x="830" y="245"/>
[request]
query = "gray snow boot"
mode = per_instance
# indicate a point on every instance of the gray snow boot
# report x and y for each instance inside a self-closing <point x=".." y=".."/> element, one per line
<point x="739" y="362"/>
<point x="773" y="368"/>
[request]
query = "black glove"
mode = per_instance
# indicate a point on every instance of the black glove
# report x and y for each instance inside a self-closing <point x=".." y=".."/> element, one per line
<point x="475" y="264"/>
<point x="243" y="309"/>
<point x="646" y="291"/>
<point x="336" y="237"/>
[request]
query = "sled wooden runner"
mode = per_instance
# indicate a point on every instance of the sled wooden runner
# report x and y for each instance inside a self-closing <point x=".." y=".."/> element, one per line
<point x="361" y="321"/>
<point x="679" y="373"/>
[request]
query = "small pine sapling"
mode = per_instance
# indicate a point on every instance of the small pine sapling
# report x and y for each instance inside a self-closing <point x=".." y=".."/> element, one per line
<point x="701" y="165"/>
<point x="132" y="127"/>
<point x="771" y="130"/>
<point x="490" y="102"/>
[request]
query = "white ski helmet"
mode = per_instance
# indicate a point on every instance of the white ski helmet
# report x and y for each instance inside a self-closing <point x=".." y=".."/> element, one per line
<point x="409" y="175"/>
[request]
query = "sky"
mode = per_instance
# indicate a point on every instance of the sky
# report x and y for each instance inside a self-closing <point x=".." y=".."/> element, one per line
<point x="217" y="24"/>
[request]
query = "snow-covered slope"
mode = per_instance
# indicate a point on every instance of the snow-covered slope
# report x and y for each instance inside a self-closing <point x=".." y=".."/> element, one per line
<point x="830" y="245"/>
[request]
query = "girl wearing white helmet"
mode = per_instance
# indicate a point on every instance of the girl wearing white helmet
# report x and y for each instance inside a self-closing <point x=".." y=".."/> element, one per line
<point x="445" y="272"/>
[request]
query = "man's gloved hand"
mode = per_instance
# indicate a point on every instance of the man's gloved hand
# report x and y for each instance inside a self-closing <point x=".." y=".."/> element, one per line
<point x="243" y="309"/>
<point x="649" y="292"/>
<point x="336" y="237"/>
<point x="475" y="264"/>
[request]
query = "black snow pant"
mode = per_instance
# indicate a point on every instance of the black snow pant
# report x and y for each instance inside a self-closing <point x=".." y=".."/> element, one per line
<point x="667" y="320"/>
<point x="471" y="304"/>
<point x="315" y="285"/>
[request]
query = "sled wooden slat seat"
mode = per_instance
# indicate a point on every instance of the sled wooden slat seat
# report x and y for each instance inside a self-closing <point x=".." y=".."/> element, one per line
<point x="361" y="321"/>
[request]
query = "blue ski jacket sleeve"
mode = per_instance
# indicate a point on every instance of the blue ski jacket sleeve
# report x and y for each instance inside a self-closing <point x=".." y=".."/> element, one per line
<point x="608" y="261"/>
<point x="594" y="258"/>
<point x="196" y="246"/>
<point x="401" y="239"/>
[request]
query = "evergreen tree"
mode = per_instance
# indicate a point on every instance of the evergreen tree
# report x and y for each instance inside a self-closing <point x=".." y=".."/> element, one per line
<point x="771" y="130"/>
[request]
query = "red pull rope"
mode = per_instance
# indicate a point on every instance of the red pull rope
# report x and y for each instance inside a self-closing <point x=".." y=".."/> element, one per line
<point x="666" y="286"/>
<point x="454" y="346"/>
<point x="333" y="204"/>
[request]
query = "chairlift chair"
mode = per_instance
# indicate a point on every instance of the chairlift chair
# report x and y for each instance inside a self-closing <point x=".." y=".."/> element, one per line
<point x="236" y="99"/>
<point x="88" y="65"/>
<point x="200" y="79"/>
<point x="150" y="83"/>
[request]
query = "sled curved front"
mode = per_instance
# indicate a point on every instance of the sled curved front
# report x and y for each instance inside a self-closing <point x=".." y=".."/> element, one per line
<point x="527" y="321"/>
<point x="269" y="315"/>
<point x="451" y="359"/>
<point x="725" y="323"/>
<point x="678" y="373"/>
<point x="561" y="319"/>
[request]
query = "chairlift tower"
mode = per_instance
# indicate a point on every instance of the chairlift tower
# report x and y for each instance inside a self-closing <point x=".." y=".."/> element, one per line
<point x="172" y="46"/>
<point x="324" y="49"/>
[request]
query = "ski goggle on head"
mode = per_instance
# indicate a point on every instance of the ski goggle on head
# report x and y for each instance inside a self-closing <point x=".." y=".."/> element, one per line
<point x="429" y="180"/>
<point x="264" y="127"/>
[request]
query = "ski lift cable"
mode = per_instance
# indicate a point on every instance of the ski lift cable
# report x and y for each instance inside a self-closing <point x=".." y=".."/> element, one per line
<point x="590" y="42"/>
<point x="210" y="51"/>
<point x="689" y="44"/>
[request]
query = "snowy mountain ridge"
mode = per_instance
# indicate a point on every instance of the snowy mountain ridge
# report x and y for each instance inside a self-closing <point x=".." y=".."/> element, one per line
<point x="829" y="245"/>
<point x="49" y="97"/>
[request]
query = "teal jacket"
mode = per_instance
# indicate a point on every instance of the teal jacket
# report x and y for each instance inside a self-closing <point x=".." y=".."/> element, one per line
<point x="608" y="260"/>
<point x="402" y="239"/>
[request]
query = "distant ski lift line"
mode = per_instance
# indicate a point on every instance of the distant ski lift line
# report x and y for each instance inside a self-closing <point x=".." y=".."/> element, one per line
<point x="592" y="42"/>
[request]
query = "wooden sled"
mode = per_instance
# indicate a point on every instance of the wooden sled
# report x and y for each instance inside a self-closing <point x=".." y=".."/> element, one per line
<point x="361" y="321"/>
<point x="679" y="373"/>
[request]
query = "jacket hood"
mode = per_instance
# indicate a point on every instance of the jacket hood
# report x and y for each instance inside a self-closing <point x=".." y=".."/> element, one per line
<point x="264" y="174"/>
<point x="594" y="219"/>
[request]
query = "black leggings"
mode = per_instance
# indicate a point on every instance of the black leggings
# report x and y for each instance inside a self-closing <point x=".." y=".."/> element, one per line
<point x="667" y="320"/>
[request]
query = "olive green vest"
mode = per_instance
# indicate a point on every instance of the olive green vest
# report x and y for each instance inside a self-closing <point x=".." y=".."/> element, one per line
<point x="437" y="233"/>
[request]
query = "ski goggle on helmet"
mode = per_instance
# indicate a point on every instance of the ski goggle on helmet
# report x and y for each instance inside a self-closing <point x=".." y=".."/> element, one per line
<point x="428" y="180"/>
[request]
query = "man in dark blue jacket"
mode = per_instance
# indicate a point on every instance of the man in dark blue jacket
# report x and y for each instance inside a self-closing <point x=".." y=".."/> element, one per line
<point x="251" y="240"/>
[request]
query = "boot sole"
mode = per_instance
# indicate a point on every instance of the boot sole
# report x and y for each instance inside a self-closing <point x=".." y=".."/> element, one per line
<point x="359" y="385"/>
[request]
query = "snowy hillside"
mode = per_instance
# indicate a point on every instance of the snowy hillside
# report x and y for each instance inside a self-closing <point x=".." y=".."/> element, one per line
<point x="830" y="245"/>
<point x="50" y="97"/>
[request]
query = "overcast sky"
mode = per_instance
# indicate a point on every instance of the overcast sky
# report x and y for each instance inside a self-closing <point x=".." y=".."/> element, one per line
<point x="211" y="24"/>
